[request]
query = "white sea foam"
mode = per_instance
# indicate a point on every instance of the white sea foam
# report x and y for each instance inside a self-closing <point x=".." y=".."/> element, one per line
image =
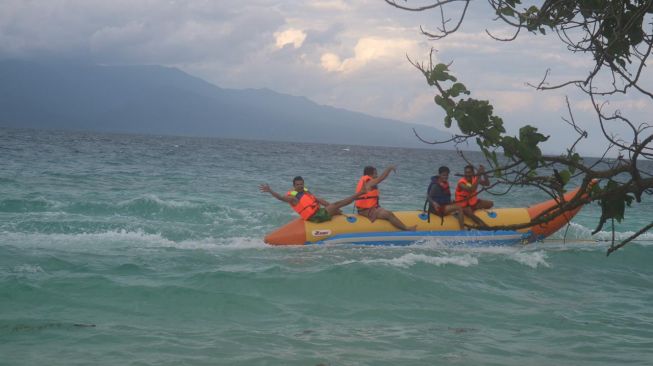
<point x="28" y="268"/>
<point x="607" y="236"/>
<point x="410" y="259"/>
<point x="235" y="215"/>
<point x="579" y="232"/>
<point x="531" y="259"/>
<point x="86" y="239"/>
<point x="518" y="253"/>
<point x="500" y="250"/>
<point x="123" y="238"/>
<point x="220" y="243"/>
<point x="39" y="200"/>
<point x="155" y="199"/>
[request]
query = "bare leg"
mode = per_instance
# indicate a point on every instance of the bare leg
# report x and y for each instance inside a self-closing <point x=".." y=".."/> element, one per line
<point x="486" y="204"/>
<point x="394" y="220"/>
<point x="334" y="208"/>
<point x="469" y="213"/>
<point x="458" y="212"/>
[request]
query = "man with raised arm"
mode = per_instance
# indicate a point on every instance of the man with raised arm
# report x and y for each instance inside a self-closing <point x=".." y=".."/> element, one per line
<point x="467" y="195"/>
<point x="308" y="206"/>
<point x="368" y="203"/>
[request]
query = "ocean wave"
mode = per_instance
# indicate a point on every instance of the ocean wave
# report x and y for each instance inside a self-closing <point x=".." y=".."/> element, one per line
<point x="144" y="204"/>
<point x="221" y="243"/>
<point x="152" y="206"/>
<point x="116" y="239"/>
<point x="27" y="268"/>
<point x="154" y="200"/>
<point x="235" y="215"/>
<point x="105" y="237"/>
<point x="36" y="204"/>
<point x="410" y="259"/>
<point x="531" y="259"/>
<point x="139" y="209"/>
<point x="577" y="231"/>
<point x="520" y="254"/>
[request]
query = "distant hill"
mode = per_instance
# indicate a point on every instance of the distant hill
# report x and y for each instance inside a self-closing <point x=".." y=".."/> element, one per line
<point x="162" y="100"/>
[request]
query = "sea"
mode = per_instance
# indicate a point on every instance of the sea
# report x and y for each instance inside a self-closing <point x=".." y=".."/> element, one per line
<point x="121" y="249"/>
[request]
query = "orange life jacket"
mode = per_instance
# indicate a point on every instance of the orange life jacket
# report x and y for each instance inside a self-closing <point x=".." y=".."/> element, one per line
<point x="466" y="198"/>
<point x="307" y="205"/>
<point x="369" y="199"/>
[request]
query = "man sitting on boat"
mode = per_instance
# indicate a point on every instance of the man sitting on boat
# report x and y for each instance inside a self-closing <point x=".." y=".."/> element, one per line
<point x="439" y="197"/>
<point x="467" y="195"/>
<point x="308" y="206"/>
<point x="368" y="203"/>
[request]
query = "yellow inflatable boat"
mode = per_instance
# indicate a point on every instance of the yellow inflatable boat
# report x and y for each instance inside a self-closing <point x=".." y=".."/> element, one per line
<point x="356" y="229"/>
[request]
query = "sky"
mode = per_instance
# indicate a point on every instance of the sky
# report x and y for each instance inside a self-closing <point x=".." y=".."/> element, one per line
<point x="347" y="54"/>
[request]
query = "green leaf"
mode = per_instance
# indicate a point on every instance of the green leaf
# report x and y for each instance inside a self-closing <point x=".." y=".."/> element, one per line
<point x="565" y="175"/>
<point x="613" y="205"/>
<point x="458" y="88"/>
<point x="512" y="3"/>
<point x="440" y="73"/>
<point x="508" y="11"/>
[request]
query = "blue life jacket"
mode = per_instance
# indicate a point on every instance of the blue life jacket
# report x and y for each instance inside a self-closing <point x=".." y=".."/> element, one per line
<point x="441" y="196"/>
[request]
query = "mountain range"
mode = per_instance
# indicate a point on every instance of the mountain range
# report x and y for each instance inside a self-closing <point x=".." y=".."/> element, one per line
<point x="163" y="100"/>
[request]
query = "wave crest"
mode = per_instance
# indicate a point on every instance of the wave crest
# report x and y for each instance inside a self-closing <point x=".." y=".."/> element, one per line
<point x="577" y="231"/>
<point x="410" y="259"/>
<point x="118" y="239"/>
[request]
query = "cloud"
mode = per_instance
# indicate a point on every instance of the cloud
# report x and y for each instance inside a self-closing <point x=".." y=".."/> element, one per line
<point x="509" y="101"/>
<point x="474" y="42"/>
<point x="118" y="36"/>
<point x="416" y="106"/>
<point x="338" y="5"/>
<point x="292" y="36"/>
<point x="147" y="31"/>
<point x="331" y="62"/>
<point x="367" y="50"/>
<point x="349" y="54"/>
<point x="620" y="106"/>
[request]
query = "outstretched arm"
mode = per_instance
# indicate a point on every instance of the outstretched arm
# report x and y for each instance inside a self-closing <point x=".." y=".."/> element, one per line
<point x="482" y="176"/>
<point x="266" y="188"/>
<point x="381" y="177"/>
<point x="321" y="201"/>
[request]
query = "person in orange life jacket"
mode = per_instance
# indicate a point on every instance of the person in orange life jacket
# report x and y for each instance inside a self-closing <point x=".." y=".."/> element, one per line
<point x="368" y="203"/>
<point x="467" y="196"/>
<point x="306" y="204"/>
<point x="439" y="197"/>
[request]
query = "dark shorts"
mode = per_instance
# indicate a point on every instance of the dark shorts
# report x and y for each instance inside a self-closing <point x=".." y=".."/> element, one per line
<point x="320" y="215"/>
<point x="438" y="211"/>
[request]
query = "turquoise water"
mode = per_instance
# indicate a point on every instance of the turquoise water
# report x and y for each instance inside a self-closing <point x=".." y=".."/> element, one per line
<point x="145" y="250"/>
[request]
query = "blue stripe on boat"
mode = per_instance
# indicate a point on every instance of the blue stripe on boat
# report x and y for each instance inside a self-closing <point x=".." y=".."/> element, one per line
<point x="472" y="237"/>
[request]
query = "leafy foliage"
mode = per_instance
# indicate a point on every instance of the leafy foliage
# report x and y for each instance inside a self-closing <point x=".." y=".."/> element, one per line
<point x="619" y="39"/>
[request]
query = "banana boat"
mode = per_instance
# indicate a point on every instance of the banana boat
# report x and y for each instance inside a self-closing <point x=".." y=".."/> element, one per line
<point x="358" y="230"/>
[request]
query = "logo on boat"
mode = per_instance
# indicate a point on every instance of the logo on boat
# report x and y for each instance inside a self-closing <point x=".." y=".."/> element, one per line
<point x="321" y="233"/>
